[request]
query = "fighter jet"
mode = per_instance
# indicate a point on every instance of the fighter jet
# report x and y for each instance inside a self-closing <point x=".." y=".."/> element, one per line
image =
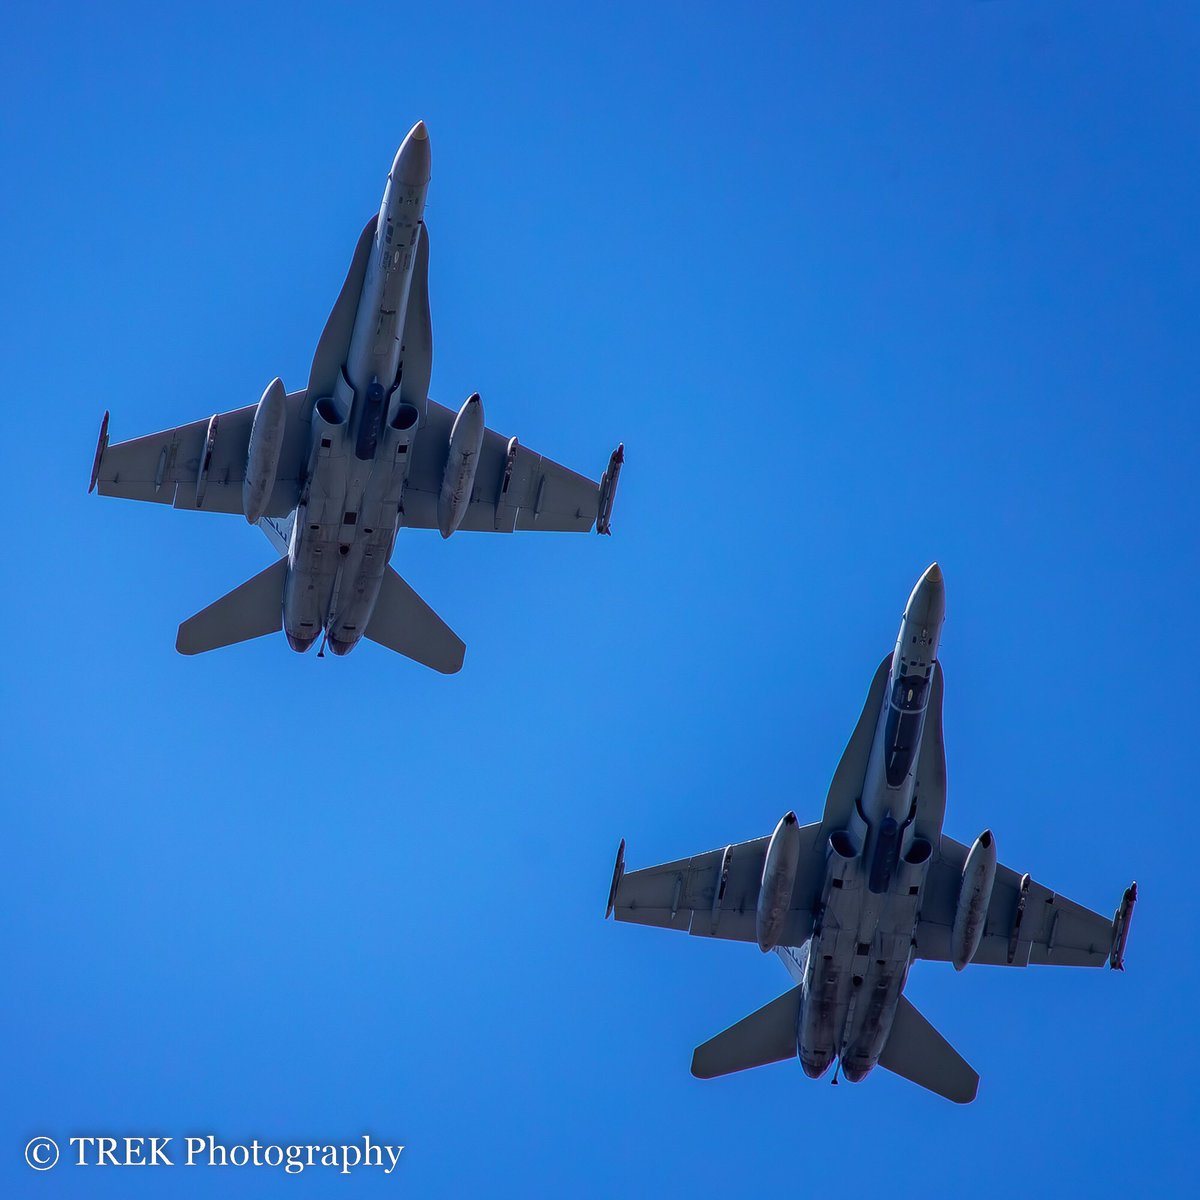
<point x="849" y="903"/>
<point x="333" y="471"/>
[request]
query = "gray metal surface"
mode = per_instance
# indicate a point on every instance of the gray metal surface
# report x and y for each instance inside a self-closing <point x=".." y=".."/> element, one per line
<point x="876" y="886"/>
<point x="357" y="455"/>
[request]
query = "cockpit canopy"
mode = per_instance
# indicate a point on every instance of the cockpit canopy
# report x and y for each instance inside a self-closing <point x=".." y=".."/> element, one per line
<point x="909" y="693"/>
<point x="905" y="721"/>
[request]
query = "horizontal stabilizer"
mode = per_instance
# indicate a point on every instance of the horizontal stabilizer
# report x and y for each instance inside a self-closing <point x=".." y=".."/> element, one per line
<point x="250" y="611"/>
<point x="765" y="1036"/>
<point x="403" y="622"/>
<point x="919" y="1053"/>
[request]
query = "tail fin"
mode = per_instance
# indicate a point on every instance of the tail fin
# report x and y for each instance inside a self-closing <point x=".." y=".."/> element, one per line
<point x="919" y="1053"/>
<point x="766" y="1036"/>
<point x="252" y="610"/>
<point x="403" y="622"/>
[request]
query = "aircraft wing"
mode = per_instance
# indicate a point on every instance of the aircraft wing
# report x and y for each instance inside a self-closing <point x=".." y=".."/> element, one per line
<point x="716" y="894"/>
<point x="536" y="494"/>
<point x="1027" y="923"/>
<point x="166" y="467"/>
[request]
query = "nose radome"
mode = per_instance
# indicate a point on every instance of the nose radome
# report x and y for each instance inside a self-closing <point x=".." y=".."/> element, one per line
<point x="411" y="166"/>
<point x="931" y="587"/>
<point x="928" y="598"/>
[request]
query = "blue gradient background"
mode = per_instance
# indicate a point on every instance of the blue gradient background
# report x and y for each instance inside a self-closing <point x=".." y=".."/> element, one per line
<point x="860" y="286"/>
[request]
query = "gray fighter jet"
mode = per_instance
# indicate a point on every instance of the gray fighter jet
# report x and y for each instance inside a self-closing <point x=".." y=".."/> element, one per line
<point x="333" y="471"/>
<point x="850" y="902"/>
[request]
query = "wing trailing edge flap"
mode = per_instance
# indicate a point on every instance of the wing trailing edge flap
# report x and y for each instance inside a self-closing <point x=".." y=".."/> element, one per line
<point x="250" y="611"/>
<point x="403" y="622"/>
<point x="765" y="1036"/>
<point x="918" y="1053"/>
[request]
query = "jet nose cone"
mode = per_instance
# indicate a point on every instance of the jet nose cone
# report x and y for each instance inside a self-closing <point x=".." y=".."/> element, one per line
<point x="931" y="585"/>
<point x="928" y="599"/>
<point x="411" y="166"/>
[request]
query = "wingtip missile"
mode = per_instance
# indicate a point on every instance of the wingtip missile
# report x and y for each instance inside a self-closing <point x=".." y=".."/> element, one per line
<point x="608" y="490"/>
<point x="618" y="871"/>
<point x="101" y="446"/>
<point x="1121" y="920"/>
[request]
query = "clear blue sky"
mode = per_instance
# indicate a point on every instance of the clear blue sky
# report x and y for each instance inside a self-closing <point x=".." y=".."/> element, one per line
<point x="860" y="286"/>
